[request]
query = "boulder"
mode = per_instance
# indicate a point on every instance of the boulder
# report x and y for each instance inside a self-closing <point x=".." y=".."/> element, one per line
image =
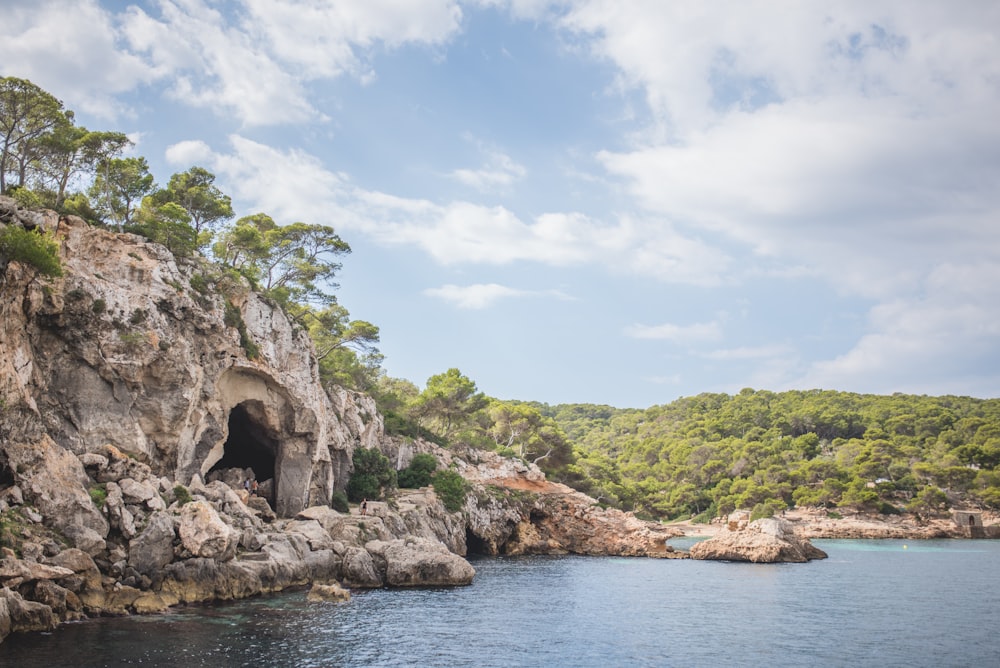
<point x="418" y="562"/>
<point x="331" y="592"/>
<point x="770" y="540"/>
<point x="358" y="569"/>
<point x="204" y="534"/>
<point x="17" y="614"/>
<point x="153" y="549"/>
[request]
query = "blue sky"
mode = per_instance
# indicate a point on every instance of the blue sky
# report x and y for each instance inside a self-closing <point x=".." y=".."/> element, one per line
<point x="619" y="202"/>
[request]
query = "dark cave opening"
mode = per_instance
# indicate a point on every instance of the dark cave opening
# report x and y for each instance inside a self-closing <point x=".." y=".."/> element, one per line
<point x="6" y="476"/>
<point x="248" y="446"/>
<point x="475" y="545"/>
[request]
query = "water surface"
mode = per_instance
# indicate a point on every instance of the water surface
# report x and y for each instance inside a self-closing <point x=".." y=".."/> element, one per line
<point x="872" y="603"/>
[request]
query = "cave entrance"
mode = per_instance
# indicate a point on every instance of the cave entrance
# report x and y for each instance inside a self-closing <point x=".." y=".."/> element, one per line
<point x="476" y="545"/>
<point x="250" y="445"/>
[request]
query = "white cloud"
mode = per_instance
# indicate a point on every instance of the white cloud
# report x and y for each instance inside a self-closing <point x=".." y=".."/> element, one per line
<point x="324" y="39"/>
<point x="217" y="66"/>
<point x="947" y="340"/>
<point x="294" y="185"/>
<point x="701" y="332"/>
<point x="190" y="152"/>
<point x="482" y="295"/>
<point x="499" y="172"/>
<point x="87" y="69"/>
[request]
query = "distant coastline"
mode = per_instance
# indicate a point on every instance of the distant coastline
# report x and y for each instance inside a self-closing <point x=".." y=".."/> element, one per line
<point x="817" y="523"/>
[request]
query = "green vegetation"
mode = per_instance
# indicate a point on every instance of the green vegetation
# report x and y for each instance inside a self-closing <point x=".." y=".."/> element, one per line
<point x="419" y="472"/>
<point x="451" y="488"/>
<point x="182" y="495"/>
<point x="339" y="502"/>
<point x="99" y="494"/>
<point x="766" y="451"/>
<point x="35" y="249"/>
<point x="372" y="477"/>
<point x="43" y="153"/>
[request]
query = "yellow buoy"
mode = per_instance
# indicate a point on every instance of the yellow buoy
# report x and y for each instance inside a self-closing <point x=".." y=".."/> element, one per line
<point x="905" y="546"/>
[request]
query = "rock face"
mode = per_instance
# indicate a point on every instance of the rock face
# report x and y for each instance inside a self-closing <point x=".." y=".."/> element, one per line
<point x="134" y="348"/>
<point x="770" y="540"/>
<point x="138" y="391"/>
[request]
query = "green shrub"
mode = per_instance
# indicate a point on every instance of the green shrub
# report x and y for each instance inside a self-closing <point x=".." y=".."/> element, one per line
<point x="35" y="249"/>
<point x="766" y="509"/>
<point x="199" y="282"/>
<point x="76" y="294"/>
<point x="132" y="339"/>
<point x="99" y="306"/>
<point x="234" y="318"/>
<point x="138" y="316"/>
<point x="419" y="472"/>
<point x="373" y="475"/>
<point x="182" y="495"/>
<point x="339" y="502"/>
<point x="99" y="494"/>
<point x="451" y="488"/>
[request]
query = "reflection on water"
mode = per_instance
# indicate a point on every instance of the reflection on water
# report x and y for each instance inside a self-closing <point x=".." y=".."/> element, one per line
<point x="871" y="603"/>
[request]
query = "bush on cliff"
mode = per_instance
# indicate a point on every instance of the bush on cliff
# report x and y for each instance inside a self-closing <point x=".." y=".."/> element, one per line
<point x="339" y="502"/>
<point x="373" y="475"/>
<point x="35" y="249"/>
<point x="451" y="488"/>
<point x="419" y="472"/>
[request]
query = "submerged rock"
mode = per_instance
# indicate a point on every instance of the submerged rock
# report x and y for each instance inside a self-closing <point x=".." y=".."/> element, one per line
<point x="330" y="592"/>
<point x="768" y="541"/>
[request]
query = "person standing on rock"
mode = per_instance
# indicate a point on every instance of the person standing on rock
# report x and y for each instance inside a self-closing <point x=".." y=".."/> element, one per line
<point x="364" y="506"/>
<point x="253" y="488"/>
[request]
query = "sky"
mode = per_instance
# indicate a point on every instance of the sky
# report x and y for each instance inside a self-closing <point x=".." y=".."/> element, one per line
<point x="618" y="202"/>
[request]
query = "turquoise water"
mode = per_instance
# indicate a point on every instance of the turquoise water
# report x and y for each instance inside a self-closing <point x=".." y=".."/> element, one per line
<point x="872" y="603"/>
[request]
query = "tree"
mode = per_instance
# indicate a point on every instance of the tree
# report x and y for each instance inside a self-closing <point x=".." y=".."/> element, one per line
<point x="448" y="401"/>
<point x="291" y="263"/>
<point x="419" y="472"/>
<point x="195" y="191"/>
<point x="168" y="224"/>
<point x="26" y="113"/>
<point x="69" y="150"/>
<point x="120" y="185"/>
<point x="372" y="476"/>
<point x="534" y="437"/>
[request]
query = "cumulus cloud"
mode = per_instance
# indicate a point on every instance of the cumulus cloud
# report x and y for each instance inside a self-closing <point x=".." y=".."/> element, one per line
<point x="482" y="295"/>
<point x="89" y="67"/>
<point x="945" y="340"/>
<point x="292" y="184"/>
<point x="328" y="39"/>
<point x="190" y="152"/>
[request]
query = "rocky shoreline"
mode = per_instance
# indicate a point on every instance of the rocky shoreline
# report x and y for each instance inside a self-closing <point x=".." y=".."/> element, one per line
<point x="818" y="523"/>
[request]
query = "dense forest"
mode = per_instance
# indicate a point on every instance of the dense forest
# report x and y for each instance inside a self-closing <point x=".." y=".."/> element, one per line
<point x="699" y="456"/>
<point x="709" y="454"/>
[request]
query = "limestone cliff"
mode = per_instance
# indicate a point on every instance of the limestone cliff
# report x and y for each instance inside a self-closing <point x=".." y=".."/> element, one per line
<point x="139" y="390"/>
<point x="139" y="350"/>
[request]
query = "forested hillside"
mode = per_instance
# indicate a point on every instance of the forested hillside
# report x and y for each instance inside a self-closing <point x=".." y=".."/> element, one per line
<point x="712" y="453"/>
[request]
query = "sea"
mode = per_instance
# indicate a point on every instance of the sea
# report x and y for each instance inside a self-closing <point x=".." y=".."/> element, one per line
<point x="871" y="603"/>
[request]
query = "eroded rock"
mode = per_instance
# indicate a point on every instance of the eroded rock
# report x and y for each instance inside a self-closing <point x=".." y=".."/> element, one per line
<point x="769" y="540"/>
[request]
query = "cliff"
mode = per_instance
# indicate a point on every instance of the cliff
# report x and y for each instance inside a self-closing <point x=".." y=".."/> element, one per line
<point x="139" y="390"/>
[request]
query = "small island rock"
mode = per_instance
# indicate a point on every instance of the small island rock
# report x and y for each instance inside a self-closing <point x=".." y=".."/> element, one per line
<point x="765" y="541"/>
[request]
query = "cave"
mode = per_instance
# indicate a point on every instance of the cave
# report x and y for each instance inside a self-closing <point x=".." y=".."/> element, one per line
<point x="476" y="545"/>
<point x="249" y="445"/>
<point x="6" y="476"/>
